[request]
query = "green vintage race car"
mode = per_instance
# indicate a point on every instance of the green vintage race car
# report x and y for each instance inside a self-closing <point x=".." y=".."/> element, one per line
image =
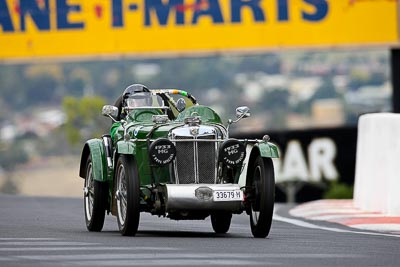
<point x="175" y="158"/>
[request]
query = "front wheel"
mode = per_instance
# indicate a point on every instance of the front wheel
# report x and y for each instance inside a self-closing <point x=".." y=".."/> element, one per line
<point x="221" y="221"/>
<point x="94" y="199"/>
<point x="262" y="190"/>
<point x="127" y="195"/>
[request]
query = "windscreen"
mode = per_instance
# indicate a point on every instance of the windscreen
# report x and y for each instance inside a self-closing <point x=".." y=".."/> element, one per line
<point x="143" y="99"/>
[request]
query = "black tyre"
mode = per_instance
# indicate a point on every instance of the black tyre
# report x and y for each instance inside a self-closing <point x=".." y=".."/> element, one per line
<point x="94" y="199"/>
<point x="128" y="195"/>
<point x="221" y="221"/>
<point x="262" y="182"/>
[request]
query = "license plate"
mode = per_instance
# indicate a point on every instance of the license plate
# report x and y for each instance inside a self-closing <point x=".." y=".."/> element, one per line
<point x="227" y="195"/>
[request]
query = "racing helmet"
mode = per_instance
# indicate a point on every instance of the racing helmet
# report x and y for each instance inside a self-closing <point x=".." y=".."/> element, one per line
<point x="136" y="95"/>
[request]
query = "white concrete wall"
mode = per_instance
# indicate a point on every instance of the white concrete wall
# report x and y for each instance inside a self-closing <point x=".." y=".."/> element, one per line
<point x="377" y="179"/>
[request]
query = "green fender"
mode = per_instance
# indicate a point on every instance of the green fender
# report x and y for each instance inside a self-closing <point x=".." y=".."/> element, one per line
<point x="124" y="147"/>
<point x="268" y="150"/>
<point x="94" y="148"/>
<point x="265" y="149"/>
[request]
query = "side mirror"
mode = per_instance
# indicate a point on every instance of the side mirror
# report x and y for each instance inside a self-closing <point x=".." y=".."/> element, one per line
<point x="242" y="112"/>
<point x="110" y="111"/>
<point x="181" y="105"/>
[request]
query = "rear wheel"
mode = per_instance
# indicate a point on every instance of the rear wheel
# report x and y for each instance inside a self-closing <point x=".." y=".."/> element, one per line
<point x="262" y="183"/>
<point x="127" y="195"/>
<point x="221" y="221"/>
<point x="94" y="199"/>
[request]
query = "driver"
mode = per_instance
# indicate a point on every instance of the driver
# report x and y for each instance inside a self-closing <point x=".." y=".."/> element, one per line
<point x="135" y="95"/>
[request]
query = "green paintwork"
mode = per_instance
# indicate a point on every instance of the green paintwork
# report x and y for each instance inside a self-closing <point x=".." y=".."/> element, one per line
<point x="268" y="150"/>
<point x="207" y="114"/>
<point x="133" y="136"/>
<point x="143" y="115"/>
<point x="98" y="155"/>
<point x="138" y="127"/>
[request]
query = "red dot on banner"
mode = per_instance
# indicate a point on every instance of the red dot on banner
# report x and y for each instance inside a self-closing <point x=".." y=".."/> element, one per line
<point x="203" y="4"/>
<point x="98" y="10"/>
<point x="40" y="2"/>
<point x="17" y="8"/>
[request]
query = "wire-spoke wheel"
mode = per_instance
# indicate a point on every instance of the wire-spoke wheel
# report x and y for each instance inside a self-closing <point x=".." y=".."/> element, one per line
<point x="94" y="199"/>
<point x="128" y="195"/>
<point x="262" y="183"/>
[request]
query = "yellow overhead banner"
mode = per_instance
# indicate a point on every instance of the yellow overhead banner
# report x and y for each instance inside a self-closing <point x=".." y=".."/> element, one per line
<point x="61" y="28"/>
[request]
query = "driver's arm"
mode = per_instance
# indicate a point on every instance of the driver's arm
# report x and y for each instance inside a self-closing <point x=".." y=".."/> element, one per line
<point x="118" y="104"/>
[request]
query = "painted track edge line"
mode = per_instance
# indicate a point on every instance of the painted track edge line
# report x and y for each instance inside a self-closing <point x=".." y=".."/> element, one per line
<point x="313" y="226"/>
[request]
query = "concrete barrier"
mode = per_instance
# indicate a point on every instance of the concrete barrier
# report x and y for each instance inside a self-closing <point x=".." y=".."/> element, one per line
<point x="377" y="178"/>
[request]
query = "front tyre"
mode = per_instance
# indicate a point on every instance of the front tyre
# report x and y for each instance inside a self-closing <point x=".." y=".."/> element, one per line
<point x="221" y="221"/>
<point x="94" y="199"/>
<point x="262" y="184"/>
<point x="127" y="195"/>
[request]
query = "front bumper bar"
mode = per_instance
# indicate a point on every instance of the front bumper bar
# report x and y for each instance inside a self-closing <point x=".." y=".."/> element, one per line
<point x="187" y="197"/>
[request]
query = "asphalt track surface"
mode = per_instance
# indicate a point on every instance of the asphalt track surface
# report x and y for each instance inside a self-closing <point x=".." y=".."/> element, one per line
<point x="38" y="231"/>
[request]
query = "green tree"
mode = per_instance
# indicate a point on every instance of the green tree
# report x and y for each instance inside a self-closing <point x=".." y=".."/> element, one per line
<point x="358" y="79"/>
<point x="326" y="90"/>
<point x="276" y="99"/>
<point x="41" y="89"/>
<point x="338" y="190"/>
<point x="276" y="102"/>
<point x="12" y="155"/>
<point x="84" y="119"/>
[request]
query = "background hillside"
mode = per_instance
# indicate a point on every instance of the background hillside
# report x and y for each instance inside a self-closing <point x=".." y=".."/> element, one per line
<point x="50" y="109"/>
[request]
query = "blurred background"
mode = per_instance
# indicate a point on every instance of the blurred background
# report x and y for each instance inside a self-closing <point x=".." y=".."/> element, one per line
<point x="306" y="69"/>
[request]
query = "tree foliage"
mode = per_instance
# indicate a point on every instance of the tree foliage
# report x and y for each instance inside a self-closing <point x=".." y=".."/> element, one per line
<point x="84" y="120"/>
<point x="339" y="191"/>
<point x="12" y="155"/>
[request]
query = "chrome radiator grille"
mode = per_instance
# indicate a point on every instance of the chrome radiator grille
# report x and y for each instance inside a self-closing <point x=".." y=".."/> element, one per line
<point x="195" y="161"/>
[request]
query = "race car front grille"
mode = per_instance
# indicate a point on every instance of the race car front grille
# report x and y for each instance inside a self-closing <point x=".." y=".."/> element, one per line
<point x="206" y="160"/>
<point x="195" y="161"/>
<point x="184" y="162"/>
